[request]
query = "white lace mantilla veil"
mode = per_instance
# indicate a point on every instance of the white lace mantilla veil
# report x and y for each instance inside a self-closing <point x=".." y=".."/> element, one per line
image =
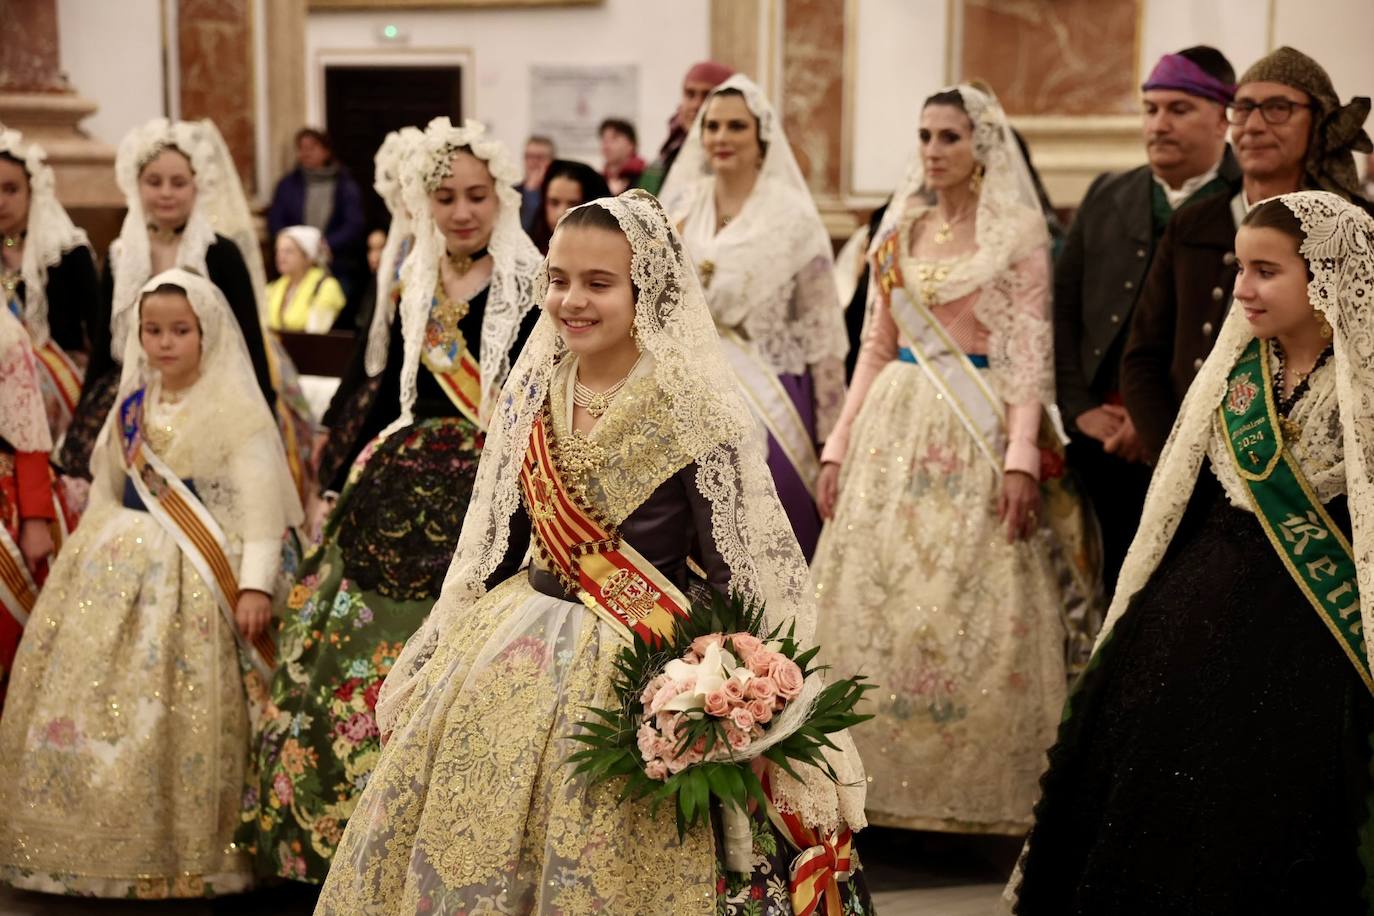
<point x="23" y="418"/>
<point x="49" y="235"/>
<point x="515" y="260"/>
<point x="220" y="208"/>
<point x="225" y="431"/>
<point x="1337" y="443"/>
<point x="777" y="233"/>
<point x="710" y="423"/>
<point x="393" y="152"/>
<point x="1008" y="226"/>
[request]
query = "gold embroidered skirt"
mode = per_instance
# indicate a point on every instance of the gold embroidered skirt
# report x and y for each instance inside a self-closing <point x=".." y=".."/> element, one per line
<point x="125" y="733"/>
<point x="959" y="630"/>
<point x="471" y="808"/>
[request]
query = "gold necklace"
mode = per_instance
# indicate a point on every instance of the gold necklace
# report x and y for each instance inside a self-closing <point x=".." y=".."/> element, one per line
<point x="462" y="263"/>
<point x="9" y="280"/>
<point x="447" y="315"/>
<point x="162" y="236"/>
<point x="946" y="230"/>
<point x="14" y="241"/>
<point x="596" y="403"/>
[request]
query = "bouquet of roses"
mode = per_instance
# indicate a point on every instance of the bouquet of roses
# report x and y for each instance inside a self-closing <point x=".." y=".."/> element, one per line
<point x="696" y="710"/>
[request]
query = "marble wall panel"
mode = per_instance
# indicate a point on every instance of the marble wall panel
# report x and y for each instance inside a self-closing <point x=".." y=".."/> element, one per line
<point x="1059" y="57"/>
<point x="28" y="47"/>
<point x="215" y="51"/>
<point x="813" y="89"/>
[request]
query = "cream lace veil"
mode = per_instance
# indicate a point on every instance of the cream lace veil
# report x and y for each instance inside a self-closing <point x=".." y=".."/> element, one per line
<point x="50" y="231"/>
<point x="515" y="259"/>
<point x="708" y="422"/>
<point x="757" y="257"/>
<point x="220" y="208"/>
<point x="1339" y="249"/>
<point x="226" y="436"/>
<point x="387" y="182"/>
<point x="1009" y="225"/>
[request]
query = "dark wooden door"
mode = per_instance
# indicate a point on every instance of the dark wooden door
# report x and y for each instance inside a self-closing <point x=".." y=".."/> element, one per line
<point x="362" y="104"/>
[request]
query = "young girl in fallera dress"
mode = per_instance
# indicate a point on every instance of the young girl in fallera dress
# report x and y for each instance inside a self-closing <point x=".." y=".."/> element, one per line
<point x="1215" y="757"/>
<point x="125" y="735"/>
<point x="471" y="807"/>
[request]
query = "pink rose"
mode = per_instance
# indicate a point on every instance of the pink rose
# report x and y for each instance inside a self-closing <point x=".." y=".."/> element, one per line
<point x="733" y="691"/>
<point x="666" y="722"/>
<point x="762" y="688"/>
<point x="717" y="704"/>
<point x="651" y="688"/>
<point x="745" y="645"/>
<point x="282" y="786"/>
<point x="761" y="710"/>
<point x="702" y="643"/>
<point x="760" y="660"/>
<point x="656" y="769"/>
<point x="359" y="727"/>
<point x="787" y="676"/>
<point x="646" y="737"/>
<point x="737" y="739"/>
<point x="742" y="717"/>
<point x="664" y="695"/>
<point x="678" y="764"/>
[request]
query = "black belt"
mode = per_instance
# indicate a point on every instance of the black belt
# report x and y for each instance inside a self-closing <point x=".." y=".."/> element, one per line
<point x="546" y="583"/>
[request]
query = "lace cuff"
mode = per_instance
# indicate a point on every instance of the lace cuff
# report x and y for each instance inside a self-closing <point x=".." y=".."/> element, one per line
<point x="258" y="568"/>
<point x="1023" y="449"/>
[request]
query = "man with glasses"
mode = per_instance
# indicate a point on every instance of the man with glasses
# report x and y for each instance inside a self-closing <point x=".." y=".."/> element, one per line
<point x="1290" y="132"/>
<point x="1101" y="269"/>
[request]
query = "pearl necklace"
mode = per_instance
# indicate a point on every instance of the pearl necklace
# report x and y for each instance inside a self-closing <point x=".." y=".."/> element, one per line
<point x="596" y="403"/>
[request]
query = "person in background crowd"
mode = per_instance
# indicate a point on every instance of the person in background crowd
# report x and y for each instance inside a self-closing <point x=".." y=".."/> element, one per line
<point x="320" y="192"/>
<point x="1290" y="132"/>
<point x="1102" y="268"/>
<point x="696" y="85"/>
<point x="359" y="319"/>
<point x="305" y="297"/>
<point x="539" y="155"/>
<point x="567" y="184"/>
<point x="619" y="149"/>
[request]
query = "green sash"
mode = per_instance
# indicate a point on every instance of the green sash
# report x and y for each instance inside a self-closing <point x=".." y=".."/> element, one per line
<point x="1313" y="549"/>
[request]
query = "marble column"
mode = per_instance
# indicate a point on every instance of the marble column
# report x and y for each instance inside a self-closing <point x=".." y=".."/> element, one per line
<point x="36" y="99"/>
<point x="1068" y="74"/>
<point x="285" y="28"/>
<point x="215" y="62"/>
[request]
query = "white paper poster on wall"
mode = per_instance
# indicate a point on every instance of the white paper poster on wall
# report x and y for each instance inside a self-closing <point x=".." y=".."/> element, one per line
<point x="568" y="102"/>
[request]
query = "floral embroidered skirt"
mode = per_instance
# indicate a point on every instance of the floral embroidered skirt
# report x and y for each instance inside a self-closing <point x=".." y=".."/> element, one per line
<point x="959" y="630"/>
<point x="356" y="600"/>
<point x="472" y="809"/>
<point x="125" y="734"/>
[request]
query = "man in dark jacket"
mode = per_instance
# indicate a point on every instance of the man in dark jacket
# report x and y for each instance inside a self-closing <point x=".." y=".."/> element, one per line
<point x="1290" y="132"/>
<point x="319" y="192"/>
<point x="1101" y="270"/>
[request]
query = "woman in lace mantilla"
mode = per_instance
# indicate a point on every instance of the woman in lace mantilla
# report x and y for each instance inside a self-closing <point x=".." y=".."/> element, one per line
<point x="953" y="609"/>
<point x="186" y="208"/>
<point x="1215" y="757"/>
<point x="465" y="307"/>
<point x="125" y="739"/>
<point x="765" y="261"/>
<point x="471" y="806"/>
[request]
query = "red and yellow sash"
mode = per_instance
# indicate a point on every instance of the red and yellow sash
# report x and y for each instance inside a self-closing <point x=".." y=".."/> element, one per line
<point x="199" y="536"/>
<point x="462" y="382"/>
<point x="18" y="587"/>
<point x="63" y="376"/>
<point x="823" y="862"/>
<point x="610" y="576"/>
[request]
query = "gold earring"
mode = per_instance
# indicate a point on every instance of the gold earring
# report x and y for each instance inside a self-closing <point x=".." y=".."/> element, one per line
<point x="975" y="182"/>
<point x="1323" y="326"/>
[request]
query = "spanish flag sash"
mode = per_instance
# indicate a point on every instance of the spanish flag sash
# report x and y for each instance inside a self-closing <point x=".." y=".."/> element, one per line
<point x="962" y="385"/>
<point x="195" y="530"/>
<point x="821" y="863"/>
<point x="610" y="576"/>
<point x="447" y="355"/>
<point x="1310" y="544"/>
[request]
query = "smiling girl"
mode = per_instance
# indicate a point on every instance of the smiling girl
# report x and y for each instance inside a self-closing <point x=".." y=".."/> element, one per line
<point x="125" y="733"/>
<point x="1215" y="757"/>
<point x="615" y="412"/>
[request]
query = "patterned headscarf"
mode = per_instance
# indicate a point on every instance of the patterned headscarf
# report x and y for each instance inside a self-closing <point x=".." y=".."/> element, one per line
<point x="1337" y="130"/>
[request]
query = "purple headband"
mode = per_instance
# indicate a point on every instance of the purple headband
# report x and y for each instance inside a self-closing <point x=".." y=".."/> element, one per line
<point x="1174" y="71"/>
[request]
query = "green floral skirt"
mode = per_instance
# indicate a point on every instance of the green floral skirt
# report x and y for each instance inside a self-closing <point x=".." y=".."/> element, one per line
<point x="356" y="600"/>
